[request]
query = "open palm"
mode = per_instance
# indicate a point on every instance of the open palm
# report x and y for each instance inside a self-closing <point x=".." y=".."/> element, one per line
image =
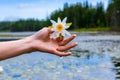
<point x="43" y="42"/>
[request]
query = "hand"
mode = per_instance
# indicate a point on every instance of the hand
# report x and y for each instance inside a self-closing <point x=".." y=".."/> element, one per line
<point x="41" y="41"/>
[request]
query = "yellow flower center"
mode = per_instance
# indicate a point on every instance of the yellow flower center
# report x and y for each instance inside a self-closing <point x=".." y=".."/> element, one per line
<point x="59" y="27"/>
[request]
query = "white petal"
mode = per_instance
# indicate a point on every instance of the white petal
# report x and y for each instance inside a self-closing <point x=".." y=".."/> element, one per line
<point x="67" y="33"/>
<point x="63" y="33"/>
<point x="53" y="29"/>
<point x="57" y="34"/>
<point x="64" y="20"/>
<point x="59" y="20"/>
<point x="53" y="22"/>
<point x="66" y="27"/>
<point x="53" y="35"/>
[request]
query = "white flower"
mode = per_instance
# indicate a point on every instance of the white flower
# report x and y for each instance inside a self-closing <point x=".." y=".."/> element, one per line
<point x="60" y="27"/>
<point x="1" y="69"/>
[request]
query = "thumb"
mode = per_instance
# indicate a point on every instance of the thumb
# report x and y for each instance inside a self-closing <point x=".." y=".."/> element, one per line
<point x="50" y="30"/>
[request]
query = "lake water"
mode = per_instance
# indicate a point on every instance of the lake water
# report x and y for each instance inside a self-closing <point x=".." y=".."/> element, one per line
<point x="97" y="57"/>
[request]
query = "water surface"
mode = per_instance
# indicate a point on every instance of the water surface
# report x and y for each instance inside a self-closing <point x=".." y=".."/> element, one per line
<point x="95" y="58"/>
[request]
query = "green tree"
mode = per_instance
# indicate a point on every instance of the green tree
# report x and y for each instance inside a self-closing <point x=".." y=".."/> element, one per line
<point x="113" y="13"/>
<point x="100" y="18"/>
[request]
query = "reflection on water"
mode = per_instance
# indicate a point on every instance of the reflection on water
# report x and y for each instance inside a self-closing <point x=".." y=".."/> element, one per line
<point x="116" y="62"/>
<point x="44" y="66"/>
<point x="95" y="58"/>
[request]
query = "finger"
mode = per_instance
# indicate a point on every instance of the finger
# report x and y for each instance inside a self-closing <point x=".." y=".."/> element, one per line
<point x="62" y="53"/>
<point x="64" y="42"/>
<point x="50" y="30"/>
<point x="67" y="47"/>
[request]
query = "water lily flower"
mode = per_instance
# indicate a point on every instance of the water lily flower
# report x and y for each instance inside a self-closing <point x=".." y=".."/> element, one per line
<point x="1" y="69"/>
<point x="59" y="28"/>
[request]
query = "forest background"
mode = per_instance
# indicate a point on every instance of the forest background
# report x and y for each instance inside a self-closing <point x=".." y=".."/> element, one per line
<point x="84" y="17"/>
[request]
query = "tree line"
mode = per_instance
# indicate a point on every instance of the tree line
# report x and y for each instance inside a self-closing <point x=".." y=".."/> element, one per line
<point x="81" y="15"/>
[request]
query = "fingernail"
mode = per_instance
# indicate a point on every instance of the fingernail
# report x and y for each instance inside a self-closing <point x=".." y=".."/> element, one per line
<point x="76" y="43"/>
<point x="69" y="53"/>
<point x="74" y="35"/>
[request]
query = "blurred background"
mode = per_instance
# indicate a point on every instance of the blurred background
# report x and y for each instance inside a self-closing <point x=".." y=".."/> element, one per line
<point x="96" y="24"/>
<point x="86" y="15"/>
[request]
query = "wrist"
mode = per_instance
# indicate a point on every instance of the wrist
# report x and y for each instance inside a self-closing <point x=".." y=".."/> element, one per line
<point x="27" y="44"/>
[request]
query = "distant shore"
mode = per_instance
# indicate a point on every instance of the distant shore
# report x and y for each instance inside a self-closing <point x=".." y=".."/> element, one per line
<point x="6" y="36"/>
<point x="92" y="33"/>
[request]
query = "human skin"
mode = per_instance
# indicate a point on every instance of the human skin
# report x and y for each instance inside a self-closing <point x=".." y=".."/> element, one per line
<point x="40" y="41"/>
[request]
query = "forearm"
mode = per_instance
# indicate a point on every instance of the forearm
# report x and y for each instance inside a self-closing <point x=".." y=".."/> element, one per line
<point x="14" y="48"/>
<point x="40" y="41"/>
